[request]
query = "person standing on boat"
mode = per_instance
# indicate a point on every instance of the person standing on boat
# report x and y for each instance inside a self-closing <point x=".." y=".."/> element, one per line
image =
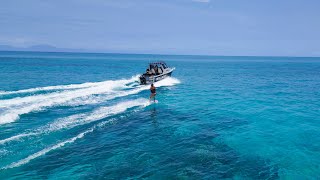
<point x="153" y="93"/>
<point x="148" y="72"/>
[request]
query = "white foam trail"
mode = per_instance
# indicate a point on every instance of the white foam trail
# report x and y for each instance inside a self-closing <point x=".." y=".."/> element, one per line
<point x="99" y="99"/>
<point x="46" y="150"/>
<point x="80" y="119"/>
<point x="17" y="137"/>
<point x="103" y="112"/>
<point x="50" y="88"/>
<point x="13" y="108"/>
<point x="77" y="120"/>
<point x="59" y="87"/>
<point x="169" y="81"/>
<point x="104" y="87"/>
<point x="18" y="106"/>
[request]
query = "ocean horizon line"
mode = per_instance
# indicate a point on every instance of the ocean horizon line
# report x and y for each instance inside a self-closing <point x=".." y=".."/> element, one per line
<point x="159" y="54"/>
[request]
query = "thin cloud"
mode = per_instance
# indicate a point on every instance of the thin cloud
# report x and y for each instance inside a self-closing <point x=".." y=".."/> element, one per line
<point x="201" y="1"/>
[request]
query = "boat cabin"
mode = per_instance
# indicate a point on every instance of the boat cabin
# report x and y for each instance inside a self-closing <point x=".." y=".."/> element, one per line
<point x="156" y="71"/>
<point x="156" y="68"/>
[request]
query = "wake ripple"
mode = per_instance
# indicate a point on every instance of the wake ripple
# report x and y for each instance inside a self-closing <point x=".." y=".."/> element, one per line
<point x="51" y="88"/>
<point x="100" y="113"/>
<point x="46" y="150"/>
<point x="81" y="119"/>
<point x="111" y="89"/>
<point x="13" y="108"/>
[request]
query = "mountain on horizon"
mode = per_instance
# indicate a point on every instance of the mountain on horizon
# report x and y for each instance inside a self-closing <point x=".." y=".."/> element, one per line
<point x="39" y="48"/>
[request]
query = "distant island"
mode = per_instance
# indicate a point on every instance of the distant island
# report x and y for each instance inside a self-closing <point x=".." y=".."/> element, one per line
<point x="39" y="48"/>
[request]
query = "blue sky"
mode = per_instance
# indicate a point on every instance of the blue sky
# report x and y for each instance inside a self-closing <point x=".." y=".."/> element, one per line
<point x="209" y="27"/>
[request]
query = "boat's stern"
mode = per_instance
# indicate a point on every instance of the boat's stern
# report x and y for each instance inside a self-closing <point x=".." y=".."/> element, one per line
<point x="162" y="71"/>
<point x="143" y="79"/>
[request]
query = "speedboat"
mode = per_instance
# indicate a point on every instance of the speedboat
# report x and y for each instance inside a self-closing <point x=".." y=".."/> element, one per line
<point x="156" y="72"/>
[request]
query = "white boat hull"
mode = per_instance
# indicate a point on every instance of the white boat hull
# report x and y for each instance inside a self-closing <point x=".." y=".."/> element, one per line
<point x="150" y="79"/>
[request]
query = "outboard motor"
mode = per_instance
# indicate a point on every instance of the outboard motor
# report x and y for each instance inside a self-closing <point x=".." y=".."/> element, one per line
<point x="142" y="80"/>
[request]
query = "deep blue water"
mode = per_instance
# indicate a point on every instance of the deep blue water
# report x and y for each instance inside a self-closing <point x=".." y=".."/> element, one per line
<point x="85" y="116"/>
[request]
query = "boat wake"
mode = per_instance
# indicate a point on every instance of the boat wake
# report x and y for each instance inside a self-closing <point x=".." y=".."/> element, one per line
<point x="46" y="150"/>
<point x="47" y="98"/>
<point x="81" y="119"/>
<point x="71" y="95"/>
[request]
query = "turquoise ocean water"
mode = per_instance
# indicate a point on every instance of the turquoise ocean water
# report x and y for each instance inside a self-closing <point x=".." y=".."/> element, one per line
<point x="84" y="116"/>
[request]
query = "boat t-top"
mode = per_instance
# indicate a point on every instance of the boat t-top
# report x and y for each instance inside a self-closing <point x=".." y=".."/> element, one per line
<point x="156" y="72"/>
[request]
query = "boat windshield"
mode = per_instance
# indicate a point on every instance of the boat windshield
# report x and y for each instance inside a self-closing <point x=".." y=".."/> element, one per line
<point x="158" y="64"/>
<point x="164" y="66"/>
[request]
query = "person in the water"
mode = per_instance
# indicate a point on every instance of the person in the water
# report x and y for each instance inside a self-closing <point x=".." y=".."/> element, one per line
<point x="153" y="93"/>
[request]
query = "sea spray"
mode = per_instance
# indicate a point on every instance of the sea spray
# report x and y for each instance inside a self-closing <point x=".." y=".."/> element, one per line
<point x="66" y="87"/>
<point x="18" y="106"/>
